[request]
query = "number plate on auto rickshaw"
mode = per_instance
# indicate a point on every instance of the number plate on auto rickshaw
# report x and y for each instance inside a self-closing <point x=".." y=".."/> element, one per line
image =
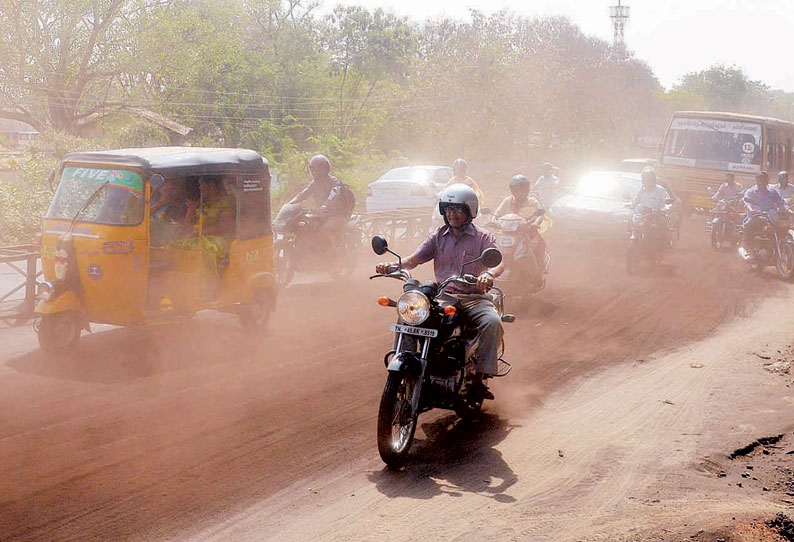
<point x="410" y="330"/>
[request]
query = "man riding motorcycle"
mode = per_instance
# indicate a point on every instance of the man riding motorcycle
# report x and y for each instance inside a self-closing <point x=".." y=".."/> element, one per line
<point x="456" y="242"/>
<point x="459" y="167"/>
<point x="728" y="190"/>
<point x="760" y="198"/>
<point x="652" y="196"/>
<point x="327" y="194"/>
<point x="526" y="205"/>
<point x="783" y="186"/>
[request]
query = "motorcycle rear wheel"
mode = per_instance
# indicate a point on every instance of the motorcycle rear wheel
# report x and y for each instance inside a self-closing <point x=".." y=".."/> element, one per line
<point x="396" y="425"/>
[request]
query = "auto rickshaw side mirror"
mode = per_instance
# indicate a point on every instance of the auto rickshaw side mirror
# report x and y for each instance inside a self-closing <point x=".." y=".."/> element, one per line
<point x="379" y="245"/>
<point x="156" y="181"/>
<point x="491" y="257"/>
<point x="51" y="180"/>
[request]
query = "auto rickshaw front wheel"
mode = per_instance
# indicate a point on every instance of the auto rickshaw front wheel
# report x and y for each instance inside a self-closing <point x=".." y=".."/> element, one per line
<point x="59" y="332"/>
<point x="255" y="315"/>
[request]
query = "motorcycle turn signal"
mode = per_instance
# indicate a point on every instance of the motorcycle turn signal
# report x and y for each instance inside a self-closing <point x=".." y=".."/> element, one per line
<point x="385" y="301"/>
<point x="450" y="310"/>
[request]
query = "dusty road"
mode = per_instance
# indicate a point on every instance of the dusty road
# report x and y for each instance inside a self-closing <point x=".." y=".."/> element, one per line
<point x="197" y="431"/>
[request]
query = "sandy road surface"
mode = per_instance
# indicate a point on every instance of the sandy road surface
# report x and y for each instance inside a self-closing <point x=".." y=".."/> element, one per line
<point x="199" y="431"/>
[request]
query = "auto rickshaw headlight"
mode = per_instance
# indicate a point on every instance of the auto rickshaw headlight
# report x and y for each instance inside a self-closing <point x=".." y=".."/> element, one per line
<point x="44" y="291"/>
<point x="413" y="308"/>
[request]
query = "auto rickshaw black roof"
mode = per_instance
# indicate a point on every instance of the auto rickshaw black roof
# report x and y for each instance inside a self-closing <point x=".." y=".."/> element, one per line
<point x="177" y="160"/>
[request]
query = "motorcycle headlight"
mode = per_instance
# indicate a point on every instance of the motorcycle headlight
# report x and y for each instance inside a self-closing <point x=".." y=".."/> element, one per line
<point x="44" y="291"/>
<point x="413" y="308"/>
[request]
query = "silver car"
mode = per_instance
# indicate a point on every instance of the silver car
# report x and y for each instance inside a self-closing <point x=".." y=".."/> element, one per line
<point x="599" y="206"/>
<point x="407" y="188"/>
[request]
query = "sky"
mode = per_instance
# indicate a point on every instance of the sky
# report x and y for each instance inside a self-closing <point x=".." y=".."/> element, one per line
<point x="674" y="37"/>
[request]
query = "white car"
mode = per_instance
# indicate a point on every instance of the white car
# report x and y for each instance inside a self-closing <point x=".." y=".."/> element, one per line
<point x="407" y="188"/>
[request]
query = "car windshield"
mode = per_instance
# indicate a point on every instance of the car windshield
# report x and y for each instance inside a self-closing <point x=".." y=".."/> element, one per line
<point x="608" y="186"/>
<point x="422" y="174"/>
<point x="725" y="145"/>
<point x="120" y="202"/>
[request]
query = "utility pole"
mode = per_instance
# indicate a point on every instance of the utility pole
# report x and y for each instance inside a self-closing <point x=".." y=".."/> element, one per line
<point x="620" y="16"/>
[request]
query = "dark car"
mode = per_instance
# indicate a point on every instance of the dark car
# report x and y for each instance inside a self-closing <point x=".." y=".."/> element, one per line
<point x="599" y="205"/>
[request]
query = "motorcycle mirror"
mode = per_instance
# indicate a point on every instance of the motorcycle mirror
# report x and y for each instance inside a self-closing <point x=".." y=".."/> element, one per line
<point x="709" y="189"/>
<point x="156" y="181"/>
<point x="669" y="201"/>
<point x="379" y="245"/>
<point x="491" y="257"/>
<point x="51" y="180"/>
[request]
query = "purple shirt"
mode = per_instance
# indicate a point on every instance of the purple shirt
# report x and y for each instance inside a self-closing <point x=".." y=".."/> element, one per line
<point x="764" y="200"/>
<point x="449" y="252"/>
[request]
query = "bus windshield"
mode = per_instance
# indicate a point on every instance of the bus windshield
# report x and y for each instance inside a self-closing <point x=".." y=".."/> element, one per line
<point x="726" y="145"/>
<point x="121" y="202"/>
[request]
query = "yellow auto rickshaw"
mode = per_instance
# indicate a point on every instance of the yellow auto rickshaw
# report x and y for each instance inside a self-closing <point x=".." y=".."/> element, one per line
<point x="140" y="236"/>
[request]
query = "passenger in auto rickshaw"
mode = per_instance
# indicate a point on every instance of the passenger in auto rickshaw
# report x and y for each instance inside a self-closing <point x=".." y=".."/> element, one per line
<point x="215" y="218"/>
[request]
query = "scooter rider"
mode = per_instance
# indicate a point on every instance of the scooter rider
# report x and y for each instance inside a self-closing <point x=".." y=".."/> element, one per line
<point x="760" y="198"/>
<point x="783" y="186"/>
<point x="525" y="205"/>
<point x="449" y="247"/>
<point x="459" y="168"/>
<point x="728" y="190"/>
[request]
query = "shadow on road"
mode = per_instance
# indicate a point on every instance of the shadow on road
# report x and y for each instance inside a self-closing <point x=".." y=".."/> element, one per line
<point x="455" y="458"/>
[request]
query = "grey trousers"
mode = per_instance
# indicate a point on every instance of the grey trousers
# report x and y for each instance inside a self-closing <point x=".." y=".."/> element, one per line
<point x="481" y="315"/>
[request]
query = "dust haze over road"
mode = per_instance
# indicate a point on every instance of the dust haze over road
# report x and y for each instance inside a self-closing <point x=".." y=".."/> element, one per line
<point x="197" y="431"/>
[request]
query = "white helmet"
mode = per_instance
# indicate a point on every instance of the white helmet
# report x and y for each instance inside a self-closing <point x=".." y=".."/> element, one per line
<point x="459" y="194"/>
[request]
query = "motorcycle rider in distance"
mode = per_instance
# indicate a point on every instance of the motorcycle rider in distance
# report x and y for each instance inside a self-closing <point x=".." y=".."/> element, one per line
<point x="459" y="167"/>
<point x="783" y="186"/>
<point x="728" y="190"/>
<point x="546" y="185"/>
<point x="760" y="198"/>
<point x="526" y="205"/>
<point x="651" y="195"/>
<point x="459" y="241"/>
<point x="324" y="193"/>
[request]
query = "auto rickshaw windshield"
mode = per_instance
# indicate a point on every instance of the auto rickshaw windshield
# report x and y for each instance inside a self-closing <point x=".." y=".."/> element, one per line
<point x="120" y="203"/>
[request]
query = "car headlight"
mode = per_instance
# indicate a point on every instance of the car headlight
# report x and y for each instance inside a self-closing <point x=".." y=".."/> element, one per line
<point x="413" y="308"/>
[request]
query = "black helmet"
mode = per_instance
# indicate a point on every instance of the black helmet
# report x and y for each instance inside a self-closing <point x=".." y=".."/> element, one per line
<point x="519" y="183"/>
<point x="648" y="174"/>
<point x="782" y="176"/>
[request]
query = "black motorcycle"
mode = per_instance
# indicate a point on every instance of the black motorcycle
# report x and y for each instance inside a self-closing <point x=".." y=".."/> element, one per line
<point x="301" y="245"/>
<point x="725" y="225"/>
<point x="773" y="245"/>
<point x="649" y="236"/>
<point x="433" y="354"/>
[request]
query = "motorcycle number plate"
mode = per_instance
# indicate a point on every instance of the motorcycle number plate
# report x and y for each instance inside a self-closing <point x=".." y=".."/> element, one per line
<point x="410" y="330"/>
<point x="279" y="237"/>
<point x="505" y="241"/>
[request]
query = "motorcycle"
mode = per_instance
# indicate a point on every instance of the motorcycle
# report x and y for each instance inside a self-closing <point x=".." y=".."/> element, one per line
<point x="298" y="245"/>
<point x="725" y="224"/>
<point x="432" y="356"/>
<point x="774" y="245"/>
<point x="524" y="275"/>
<point x="649" y="236"/>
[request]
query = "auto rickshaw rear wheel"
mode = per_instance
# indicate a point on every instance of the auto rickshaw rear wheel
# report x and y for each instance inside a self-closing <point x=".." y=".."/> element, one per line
<point x="255" y="315"/>
<point x="59" y="332"/>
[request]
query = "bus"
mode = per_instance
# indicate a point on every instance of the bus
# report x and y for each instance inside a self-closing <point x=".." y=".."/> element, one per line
<point x="700" y="147"/>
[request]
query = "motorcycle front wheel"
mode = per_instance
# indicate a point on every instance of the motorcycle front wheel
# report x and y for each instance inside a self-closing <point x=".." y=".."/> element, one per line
<point x="285" y="266"/>
<point x="632" y="257"/>
<point x="396" y="423"/>
<point x="718" y="236"/>
<point x="785" y="261"/>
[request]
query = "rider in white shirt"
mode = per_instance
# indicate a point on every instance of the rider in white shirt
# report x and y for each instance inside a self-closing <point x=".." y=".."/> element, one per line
<point x="651" y="195"/>
<point x="728" y="190"/>
<point x="783" y="187"/>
